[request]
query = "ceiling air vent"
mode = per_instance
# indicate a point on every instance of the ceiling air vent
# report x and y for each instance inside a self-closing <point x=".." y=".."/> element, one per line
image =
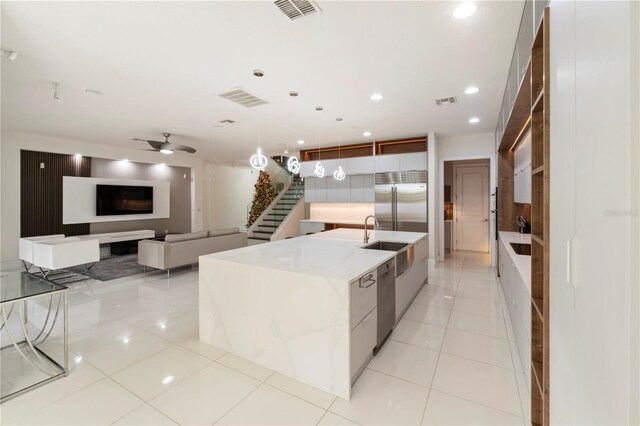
<point x="295" y="9"/>
<point x="444" y="101"/>
<point x="242" y="97"/>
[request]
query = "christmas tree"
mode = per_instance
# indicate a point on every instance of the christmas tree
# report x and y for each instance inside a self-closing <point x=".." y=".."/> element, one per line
<point x="262" y="197"/>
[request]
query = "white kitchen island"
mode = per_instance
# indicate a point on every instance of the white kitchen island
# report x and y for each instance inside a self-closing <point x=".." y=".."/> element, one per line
<point x="296" y="306"/>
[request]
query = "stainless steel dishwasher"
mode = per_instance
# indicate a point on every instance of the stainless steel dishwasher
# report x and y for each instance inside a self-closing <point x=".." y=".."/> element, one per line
<point x="386" y="299"/>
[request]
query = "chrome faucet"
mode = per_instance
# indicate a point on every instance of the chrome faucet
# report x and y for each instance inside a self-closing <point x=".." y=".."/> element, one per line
<point x="366" y="234"/>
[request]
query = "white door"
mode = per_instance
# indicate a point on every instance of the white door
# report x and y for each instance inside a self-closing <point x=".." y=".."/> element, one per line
<point x="472" y="208"/>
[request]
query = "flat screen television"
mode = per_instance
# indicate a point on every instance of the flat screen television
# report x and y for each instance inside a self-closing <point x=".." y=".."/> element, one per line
<point x="114" y="200"/>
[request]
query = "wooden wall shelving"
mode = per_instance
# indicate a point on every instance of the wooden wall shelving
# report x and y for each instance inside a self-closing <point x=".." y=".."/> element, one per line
<point x="540" y="224"/>
<point x="396" y="146"/>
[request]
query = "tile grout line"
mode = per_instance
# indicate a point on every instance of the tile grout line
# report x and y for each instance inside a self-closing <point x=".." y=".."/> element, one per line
<point x="435" y="370"/>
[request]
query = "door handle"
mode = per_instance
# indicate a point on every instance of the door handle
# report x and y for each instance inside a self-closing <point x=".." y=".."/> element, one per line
<point x="485" y="220"/>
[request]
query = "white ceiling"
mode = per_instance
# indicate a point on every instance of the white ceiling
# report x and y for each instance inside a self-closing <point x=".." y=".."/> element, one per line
<point x="162" y="64"/>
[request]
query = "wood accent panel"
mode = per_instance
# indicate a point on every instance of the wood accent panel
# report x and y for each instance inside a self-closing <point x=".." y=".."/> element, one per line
<point x="334" y="152"/>
<point x="519" y="117"/>
<point x="402" y="146"/>
<point x="522" y="209"/>
<point x="540" y="217"/>
<point x="41" y="192"/>
<point x="506" y="206"/>
<point x="395" y="146"/>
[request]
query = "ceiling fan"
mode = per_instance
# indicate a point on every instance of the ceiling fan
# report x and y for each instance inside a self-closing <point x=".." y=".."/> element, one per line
<point x="166" y="147"/>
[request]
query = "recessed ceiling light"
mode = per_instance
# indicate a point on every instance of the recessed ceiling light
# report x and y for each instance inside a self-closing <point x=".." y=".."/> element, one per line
<point x="93" y="92"/>
<point x="167" y="380"/>
<point x="367" y="133"/>
<point x="319" y="108"/>
<point x="464" y="10"/>
<point x="78" y="156"/>
<point x="258" y="73"/>
<point x="166" y="151"/>
<point x="339" y="119"/>
<point x="300" y="142"/>
<point x="376" y="97"/>
<point x="293" y="93"/>
<point x="471" y="90"/>
<point x="474" y="120"/>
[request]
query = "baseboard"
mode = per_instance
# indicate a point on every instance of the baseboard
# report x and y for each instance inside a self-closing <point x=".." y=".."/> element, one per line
<point x="8" y="265"/>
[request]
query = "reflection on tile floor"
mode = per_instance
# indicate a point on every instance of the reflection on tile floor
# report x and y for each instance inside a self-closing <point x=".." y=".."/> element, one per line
<point x="136" y="360"/>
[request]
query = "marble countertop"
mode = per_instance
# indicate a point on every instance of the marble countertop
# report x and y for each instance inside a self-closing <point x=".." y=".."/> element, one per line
<point x="333" y="254"/>
<point x="522" y="262"/>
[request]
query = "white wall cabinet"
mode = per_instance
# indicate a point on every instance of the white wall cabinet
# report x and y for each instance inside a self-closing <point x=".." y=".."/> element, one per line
<point x="359" y="166"/>
<point x="369" y="190"/>
<point x="413" y="161"/>
<point x="310" y="190"/>
<point x="369" y="165"/>
<point x="357" y="189"/>
<point x="353" y="189"/>
<point x="387" y="163"/>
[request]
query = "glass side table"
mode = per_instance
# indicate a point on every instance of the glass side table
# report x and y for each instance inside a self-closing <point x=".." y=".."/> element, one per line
<point x="24" y="340"/>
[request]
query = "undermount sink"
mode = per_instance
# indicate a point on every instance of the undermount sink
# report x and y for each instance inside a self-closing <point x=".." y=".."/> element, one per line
<point x="404" y="253"/>
<point x="386" y="245"/>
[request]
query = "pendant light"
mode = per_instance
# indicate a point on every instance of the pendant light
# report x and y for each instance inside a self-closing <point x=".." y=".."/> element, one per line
<point x="293" y="163"/>
<point x="339" y="174"/>
<point x="318" y="171"/>
<point x="258" y="160"/>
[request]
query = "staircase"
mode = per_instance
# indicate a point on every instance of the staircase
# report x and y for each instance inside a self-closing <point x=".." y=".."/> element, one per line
<point x="269" y="222"/>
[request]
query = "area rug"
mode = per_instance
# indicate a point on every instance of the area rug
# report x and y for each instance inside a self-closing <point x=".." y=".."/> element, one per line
<point x="112" y="268"/>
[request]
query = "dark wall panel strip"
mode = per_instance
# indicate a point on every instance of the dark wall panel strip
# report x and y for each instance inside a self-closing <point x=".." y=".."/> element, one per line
<point x="41" y="192"/>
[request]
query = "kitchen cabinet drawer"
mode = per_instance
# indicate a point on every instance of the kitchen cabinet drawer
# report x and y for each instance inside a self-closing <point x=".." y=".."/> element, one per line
<point x="363" y="340"/>
<point x="421" y="249"/>
<point x="363" y="297"/>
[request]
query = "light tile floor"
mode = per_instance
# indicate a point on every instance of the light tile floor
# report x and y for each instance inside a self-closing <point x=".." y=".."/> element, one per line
<point x="136" y="360"/>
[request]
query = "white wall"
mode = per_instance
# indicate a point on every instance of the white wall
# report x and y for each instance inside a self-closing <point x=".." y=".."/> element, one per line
<point x="434" y="209"/>
<point x="594" y="366"/>
<point x="10" y="148"/>
<point x="79" y="199"/>
<point x="229" y="189"/>
<point x="467" y="147"/>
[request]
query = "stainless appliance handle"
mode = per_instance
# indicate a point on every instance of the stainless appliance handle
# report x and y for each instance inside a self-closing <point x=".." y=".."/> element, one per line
<point x="394" y="208"/>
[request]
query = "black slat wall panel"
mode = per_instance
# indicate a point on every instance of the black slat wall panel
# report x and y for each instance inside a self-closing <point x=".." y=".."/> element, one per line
<point x="41" y="192"/>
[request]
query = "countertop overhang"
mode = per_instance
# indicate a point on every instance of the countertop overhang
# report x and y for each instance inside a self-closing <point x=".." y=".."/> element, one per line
<point x="336" y="254"/>
<point x="521" y="262"/>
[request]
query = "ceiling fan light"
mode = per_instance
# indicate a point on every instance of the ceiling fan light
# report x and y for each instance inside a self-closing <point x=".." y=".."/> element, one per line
<point x="166" y="151"/>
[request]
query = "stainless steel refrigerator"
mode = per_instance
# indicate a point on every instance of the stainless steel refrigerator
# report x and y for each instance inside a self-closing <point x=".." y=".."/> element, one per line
<point x="401" y="201"/>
